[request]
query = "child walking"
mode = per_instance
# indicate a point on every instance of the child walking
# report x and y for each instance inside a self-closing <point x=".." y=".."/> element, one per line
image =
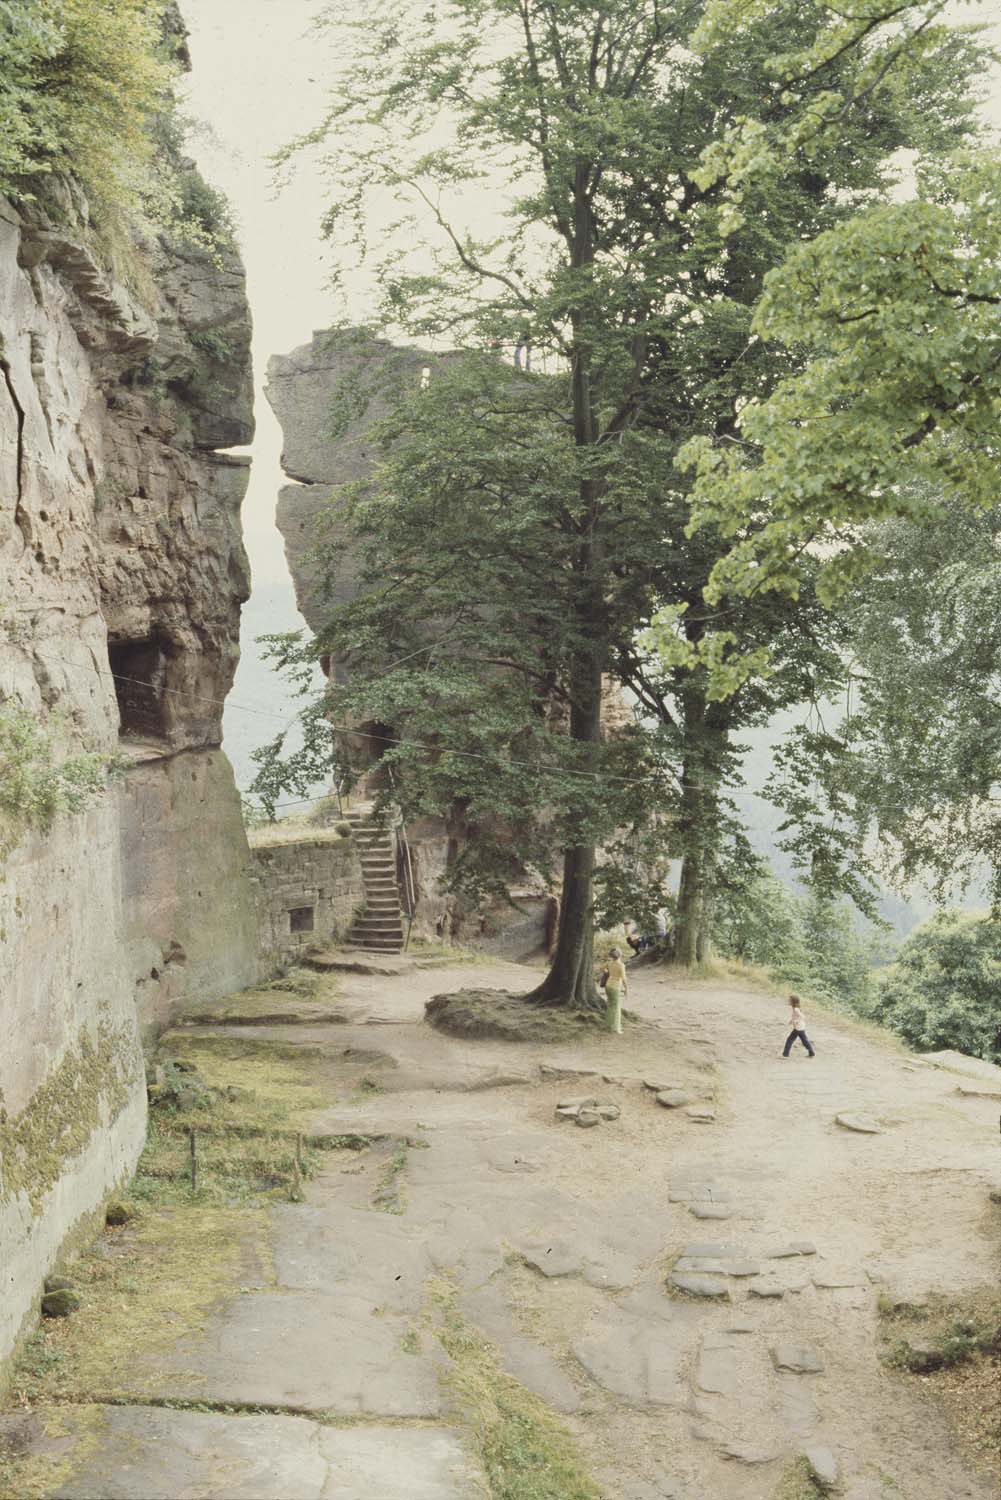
<point x="797" y="1028"/>
<point x="615" y="988"/>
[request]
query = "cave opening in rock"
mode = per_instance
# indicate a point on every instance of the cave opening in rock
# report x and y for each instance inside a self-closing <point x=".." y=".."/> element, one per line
<point x="139" y="668"/>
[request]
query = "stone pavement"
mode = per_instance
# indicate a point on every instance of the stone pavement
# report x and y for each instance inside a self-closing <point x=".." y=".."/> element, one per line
<point x="689" y="1360"/>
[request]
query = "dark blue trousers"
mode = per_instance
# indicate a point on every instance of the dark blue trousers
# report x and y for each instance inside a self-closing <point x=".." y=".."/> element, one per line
<point x="803" y="1038"/>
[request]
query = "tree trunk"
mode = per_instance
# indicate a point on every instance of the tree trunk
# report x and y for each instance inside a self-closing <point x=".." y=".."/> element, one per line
<point x="699" y="828"/>
<point x="570" y="980"/>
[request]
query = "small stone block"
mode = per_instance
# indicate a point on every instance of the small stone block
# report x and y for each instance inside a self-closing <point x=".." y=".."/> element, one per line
<point x="740" y="1325"/>
<point x="823" y="1466"/>
<point x="861" y="1124"/>
<point x="795" y="1247"/>
<point x="59" y="1284"/>
<point x="60" y="1304"/>
<point x="699" y="1286"/>
<point x="673" y="1098"/>
<point x="701" y="1115"/>
<point x="747" y="1453"/>
<point x="798" y="1358"/>
<point x="834" y="1278"/>
<point x="587" y="1118"/>
<point x="700" y="1249"/>
<point x="708" y="1211"/>
<point x="767" y="1289"/>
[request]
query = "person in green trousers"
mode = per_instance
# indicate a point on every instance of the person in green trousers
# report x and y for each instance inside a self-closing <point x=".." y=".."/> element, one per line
<point x="615" y="989"/>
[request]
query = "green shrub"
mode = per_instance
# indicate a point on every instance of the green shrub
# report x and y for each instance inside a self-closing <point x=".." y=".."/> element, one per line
<point x="83" y="80"/>
<point x="945" y="988"/>
<point x="86" y="96"/>
<point x="35" y="782"/>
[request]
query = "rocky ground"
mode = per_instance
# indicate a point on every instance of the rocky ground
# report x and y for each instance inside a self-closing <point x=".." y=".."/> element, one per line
<point x="690" y="1288"/>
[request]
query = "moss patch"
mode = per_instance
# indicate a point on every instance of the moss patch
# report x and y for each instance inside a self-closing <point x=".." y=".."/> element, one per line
<point x="264" y="1007"/>
<point x="526" y="1452"/>
<point x="89" y="1089"/>
<point x="508" y="1018"/>
<point x="952" y="1346"/>
<point x="798" y="1483"/>
<point x="33" y="1475"/>
<point x="142" y="1289"/>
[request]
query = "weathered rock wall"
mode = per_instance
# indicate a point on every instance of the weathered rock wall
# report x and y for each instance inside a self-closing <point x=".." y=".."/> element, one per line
<point x="121" y="577"/>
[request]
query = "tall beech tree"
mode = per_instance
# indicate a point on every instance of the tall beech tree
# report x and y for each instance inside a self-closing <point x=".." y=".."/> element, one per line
<point x="648" y="163"/>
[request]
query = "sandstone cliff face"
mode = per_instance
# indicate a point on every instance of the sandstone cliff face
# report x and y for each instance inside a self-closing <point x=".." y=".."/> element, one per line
<point x="122" y="572"/>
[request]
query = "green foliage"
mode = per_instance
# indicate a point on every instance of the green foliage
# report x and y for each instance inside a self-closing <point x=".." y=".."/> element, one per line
<point x="538" y="522"/>
<point x="89" y="78"/>
<point x="806" y="941"/>
<point x="900" y="774"/>
<point x="899" y="310"/>
<point x="944" y="991"/>
<point x="37" y="782"/>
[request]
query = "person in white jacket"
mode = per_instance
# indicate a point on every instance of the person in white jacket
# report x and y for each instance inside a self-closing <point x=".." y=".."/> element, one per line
<point x="797" y="1028"/>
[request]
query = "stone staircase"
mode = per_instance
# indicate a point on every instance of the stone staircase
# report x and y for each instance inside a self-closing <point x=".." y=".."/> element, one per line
<point x="379" y="926"/>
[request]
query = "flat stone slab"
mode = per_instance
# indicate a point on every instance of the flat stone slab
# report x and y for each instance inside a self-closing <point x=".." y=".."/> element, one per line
<point x="698" y="1192"/>
<point x="371" y="1255"/>
<point x="152" y="1453"/>
<point x="699" y="1286"/>
<point x="635" y="1357"/>
<point x="769" y="1289"/>
<point x="861" y="1124"/>
<point x="700" y="1114"/>
<point x="716" y="1371"/>
<point x="797" y="1358"/>
<point x="795" y="1247"/>
<point x="979" y="1090"/>
<point x="835" y="1277"/>
<point x="709" y="1211"/>
<point x="314" y="1351"/>
<point x="673" y="1098"/>
<point x="716" y="1249"/>
<point x="958" y="1062"/>
<point x="553" y="1258"/>
<point x="704" y="1266"/>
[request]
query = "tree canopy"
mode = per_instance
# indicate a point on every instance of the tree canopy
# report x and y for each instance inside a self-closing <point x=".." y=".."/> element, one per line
<point x="648" y="166"/>
<point x="945" y="988"/>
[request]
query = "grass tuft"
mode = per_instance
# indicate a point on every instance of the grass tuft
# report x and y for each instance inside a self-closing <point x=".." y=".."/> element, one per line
<point x="526" y="1452"/>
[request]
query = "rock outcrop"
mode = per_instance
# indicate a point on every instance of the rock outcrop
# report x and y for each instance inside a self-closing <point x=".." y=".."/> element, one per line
<point x="303" y="388"/>
<point x="122" y="572"/>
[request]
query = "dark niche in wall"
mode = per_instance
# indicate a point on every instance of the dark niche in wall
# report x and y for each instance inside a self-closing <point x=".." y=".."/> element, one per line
<point x="139" y="668"/>
<point x="300" y="919"/>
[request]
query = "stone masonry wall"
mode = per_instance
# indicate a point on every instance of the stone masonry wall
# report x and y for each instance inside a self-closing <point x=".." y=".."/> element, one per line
<point x="308" y="890"/>
<point x="122" y="572"/>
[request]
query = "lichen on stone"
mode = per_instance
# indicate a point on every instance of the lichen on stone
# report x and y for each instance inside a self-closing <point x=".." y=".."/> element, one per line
<point x="87" y="1091"/>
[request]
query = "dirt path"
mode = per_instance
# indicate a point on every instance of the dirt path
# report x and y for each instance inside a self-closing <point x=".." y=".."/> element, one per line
<point x="560" y="1244"/>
